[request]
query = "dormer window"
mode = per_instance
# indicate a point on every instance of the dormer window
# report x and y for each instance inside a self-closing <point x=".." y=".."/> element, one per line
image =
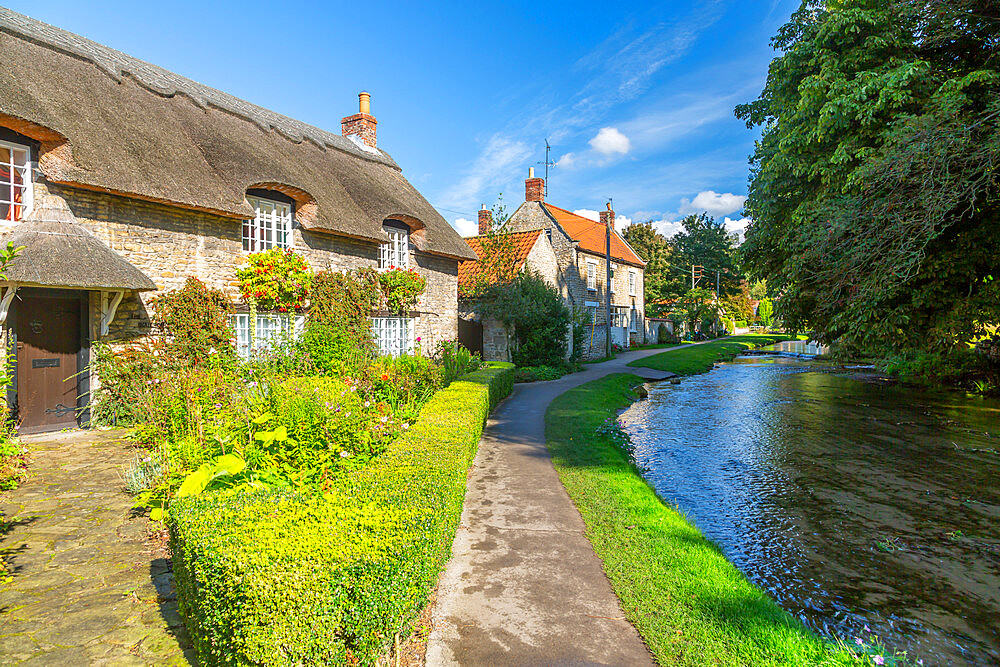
<point x="271" y="226"/>
<point x="395" y="253"/>
<point x="15" y="182"/>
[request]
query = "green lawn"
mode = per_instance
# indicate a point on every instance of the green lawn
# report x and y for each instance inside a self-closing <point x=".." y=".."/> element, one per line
<point x="699" y="358"/>
<point x="690" y="604"/>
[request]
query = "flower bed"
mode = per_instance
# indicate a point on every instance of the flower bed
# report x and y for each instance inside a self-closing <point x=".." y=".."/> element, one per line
<point x="280" y="578"/>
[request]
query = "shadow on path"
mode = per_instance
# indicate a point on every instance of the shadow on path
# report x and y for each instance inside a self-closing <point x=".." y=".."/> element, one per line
<point x="89" y="584"/>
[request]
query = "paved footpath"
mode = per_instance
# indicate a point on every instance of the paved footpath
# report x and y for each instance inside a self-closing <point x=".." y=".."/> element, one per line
<point x="88" y="588"/>
<point x="524" y="586"/>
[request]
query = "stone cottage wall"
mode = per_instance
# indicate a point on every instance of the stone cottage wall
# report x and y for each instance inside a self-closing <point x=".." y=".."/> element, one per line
<point x="170" y="244"/>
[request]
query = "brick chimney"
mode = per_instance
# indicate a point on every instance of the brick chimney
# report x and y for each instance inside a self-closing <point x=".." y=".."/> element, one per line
<point x="485" y="221"/>
<point x="608" y="217"/>
<point x="362" y="123"/>
<point x="534" y="188"/>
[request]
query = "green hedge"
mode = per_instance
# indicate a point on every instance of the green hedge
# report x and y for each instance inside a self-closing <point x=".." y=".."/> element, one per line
<point x="269" y="577"/>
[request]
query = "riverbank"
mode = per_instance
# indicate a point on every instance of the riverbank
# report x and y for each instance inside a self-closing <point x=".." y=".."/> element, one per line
<point x="700" y="358"/>
<point x="689" y="603"/>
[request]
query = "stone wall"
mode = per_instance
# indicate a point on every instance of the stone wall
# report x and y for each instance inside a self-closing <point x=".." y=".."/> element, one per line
<point x="169" y="244"/>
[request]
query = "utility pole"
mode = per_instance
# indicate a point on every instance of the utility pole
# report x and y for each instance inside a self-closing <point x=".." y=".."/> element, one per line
<point x="696" y="274"/>
<point x="607" y="280"/>
<point x="717" y="302"/>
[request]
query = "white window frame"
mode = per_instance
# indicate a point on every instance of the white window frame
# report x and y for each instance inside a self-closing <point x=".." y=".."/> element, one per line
<point x="619" y="316"/>
<point x="591" y="275"/>
<point x="396" y="253"/>
<point x="271" y="226"/>
<point x="633" y="320"/>
<point x="394" y="336"/>
<point x="633" y="281"/>
<point x="26" y="187"/>
<point x="269" y="330"/>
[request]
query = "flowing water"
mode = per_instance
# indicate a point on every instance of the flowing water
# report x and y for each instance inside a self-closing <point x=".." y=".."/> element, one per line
<point x="851" y="501"/>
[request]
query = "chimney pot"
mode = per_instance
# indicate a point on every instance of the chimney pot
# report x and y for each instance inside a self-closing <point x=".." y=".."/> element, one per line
<point x="361" y="124"/>
<point x="531" y="172"/>
<point x="485" y="221"/>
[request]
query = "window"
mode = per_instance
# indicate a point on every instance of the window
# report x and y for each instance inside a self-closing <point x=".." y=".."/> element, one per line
<point x="393" y="335"/>
<point x="633" y="321"/>
<point x="633" y="278"/>
<point x="592" y="276"/>
<point x="619" y="316"/>
<point x="271" y="226"/>
<point x="269" y="330"/>
<point x="15" y="182"/>
<point x="395" y="253"/>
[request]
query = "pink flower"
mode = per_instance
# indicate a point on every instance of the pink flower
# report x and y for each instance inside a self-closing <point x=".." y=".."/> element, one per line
<point x="879" y="660"/>
<point x="857" y="640"/>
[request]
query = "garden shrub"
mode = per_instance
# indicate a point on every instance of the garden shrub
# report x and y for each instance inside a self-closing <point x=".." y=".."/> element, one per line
<point x="195" y="323"/>
<point x="13" y="457"/>
<point x="534" y="312"/>
<point x="455" y="360"/>
<point x="270" y="577"/>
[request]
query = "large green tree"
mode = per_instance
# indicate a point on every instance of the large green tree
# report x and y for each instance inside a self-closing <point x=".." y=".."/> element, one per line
<point x="655" y="250"/>
<point x="704" y="242"/>
<point x="874" y="187"/>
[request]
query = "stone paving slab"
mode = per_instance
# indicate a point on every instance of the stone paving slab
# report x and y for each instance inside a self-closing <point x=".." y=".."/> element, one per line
<point x="89" y="586"/>
<point x="524" y="586"/>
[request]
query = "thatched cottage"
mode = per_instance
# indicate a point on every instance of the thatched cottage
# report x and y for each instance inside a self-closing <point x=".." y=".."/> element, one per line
<point x="570" y="252"/>
<point x="123" y="179"/>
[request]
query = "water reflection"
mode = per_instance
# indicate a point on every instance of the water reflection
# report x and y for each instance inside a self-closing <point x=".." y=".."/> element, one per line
<point x="851" y="502"/>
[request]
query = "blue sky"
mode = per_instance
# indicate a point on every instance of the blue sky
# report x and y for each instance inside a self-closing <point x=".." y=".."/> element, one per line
<point x="636" y="98"/>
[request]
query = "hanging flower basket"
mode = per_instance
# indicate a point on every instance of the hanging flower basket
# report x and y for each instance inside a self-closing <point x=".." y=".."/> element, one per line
<point x="401" y="287"/>
<point x="275" y="279"/>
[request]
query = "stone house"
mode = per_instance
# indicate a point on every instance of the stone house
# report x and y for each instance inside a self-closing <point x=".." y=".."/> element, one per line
<point x="123" y="179"/>
<point x="569" y="251"/>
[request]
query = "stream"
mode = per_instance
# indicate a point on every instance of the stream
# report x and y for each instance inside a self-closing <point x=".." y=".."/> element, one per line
<point x="854" y="502"/>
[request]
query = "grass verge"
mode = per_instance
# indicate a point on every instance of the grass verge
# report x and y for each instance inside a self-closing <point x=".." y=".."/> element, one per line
<point x="689" y="603"/>
<point x="699" y="358"/>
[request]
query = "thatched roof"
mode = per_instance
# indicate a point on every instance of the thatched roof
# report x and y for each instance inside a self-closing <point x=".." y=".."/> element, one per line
<point x="59" y="252"/>
<point x="111" y="122"/>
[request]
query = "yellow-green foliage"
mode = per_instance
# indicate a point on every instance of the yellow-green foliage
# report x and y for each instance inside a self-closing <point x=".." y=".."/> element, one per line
<point x="272" y="578"/>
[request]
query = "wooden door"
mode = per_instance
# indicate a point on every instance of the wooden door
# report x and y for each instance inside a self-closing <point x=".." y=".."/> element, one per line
<point x="48" y="343"/>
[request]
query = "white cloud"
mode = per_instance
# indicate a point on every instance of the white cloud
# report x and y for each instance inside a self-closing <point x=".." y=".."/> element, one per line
<point x="713" y="203"/>
<point x="498" y="160"/>
<point x="466" y="227"/>
<point x="610" y="141"/>
<point x="667" y="227"/>
<point x="738" y="227"/>
<point x="567" y="160"/>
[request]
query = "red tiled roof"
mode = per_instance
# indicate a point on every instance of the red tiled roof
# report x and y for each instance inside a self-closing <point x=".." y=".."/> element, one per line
<point x="590" y="236"/>
<point x="523" y="242"/>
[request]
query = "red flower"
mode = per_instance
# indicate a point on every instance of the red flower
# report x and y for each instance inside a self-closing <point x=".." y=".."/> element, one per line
<point x="385" y="376"/>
